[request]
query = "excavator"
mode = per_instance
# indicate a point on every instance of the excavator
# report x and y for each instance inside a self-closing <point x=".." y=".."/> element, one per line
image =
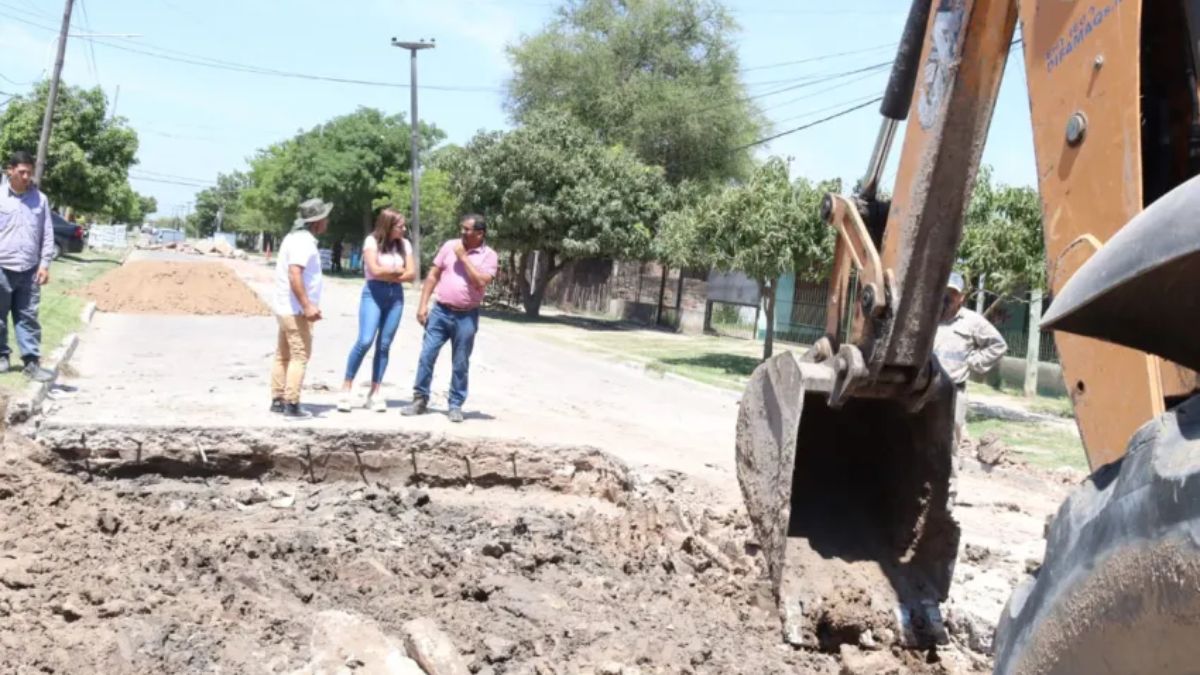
<point x="845" y="455"/>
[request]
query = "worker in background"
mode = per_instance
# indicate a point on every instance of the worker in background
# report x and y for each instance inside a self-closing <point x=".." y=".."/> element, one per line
<point x="26" y="248"/>
<point x="297" y="305"/>
<point x="336" y="256"/>
<point x="966" y="343"/>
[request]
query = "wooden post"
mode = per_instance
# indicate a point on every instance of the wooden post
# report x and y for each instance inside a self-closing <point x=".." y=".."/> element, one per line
<point x="1034" y="344"/>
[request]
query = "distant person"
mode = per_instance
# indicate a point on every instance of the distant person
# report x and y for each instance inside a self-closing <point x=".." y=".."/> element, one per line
<point x="297" y="302"/>
<point x="26" y="249"/>
<point x="965" y="343"/>
<point x="336" y="256"/>
<point x="460" y="273"/>
<point x="387" y="266"/>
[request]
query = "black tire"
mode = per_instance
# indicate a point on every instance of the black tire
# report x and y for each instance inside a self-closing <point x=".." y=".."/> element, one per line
<point x="1119" y="590"/>
<point x="58" y="249"/>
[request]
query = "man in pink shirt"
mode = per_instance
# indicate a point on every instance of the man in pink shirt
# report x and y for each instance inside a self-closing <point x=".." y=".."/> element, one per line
<point x="461" y="271"/>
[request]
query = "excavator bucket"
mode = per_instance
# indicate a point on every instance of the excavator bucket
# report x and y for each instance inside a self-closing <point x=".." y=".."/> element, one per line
<point x="850" y="504"/>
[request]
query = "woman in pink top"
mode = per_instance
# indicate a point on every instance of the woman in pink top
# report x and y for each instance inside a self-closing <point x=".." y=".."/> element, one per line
<point x="387" y="264"/>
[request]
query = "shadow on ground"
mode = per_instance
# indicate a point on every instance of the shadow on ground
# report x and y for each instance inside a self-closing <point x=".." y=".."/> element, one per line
<point x="89" y="261"/>
<point x="584" y="323"/>
<point x="730" y="364"/>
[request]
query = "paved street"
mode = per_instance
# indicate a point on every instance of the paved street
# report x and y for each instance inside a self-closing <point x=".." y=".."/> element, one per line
<point x="214" y="371"/>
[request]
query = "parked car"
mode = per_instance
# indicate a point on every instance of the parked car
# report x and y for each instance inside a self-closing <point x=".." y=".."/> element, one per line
<point x="68" y="237"/>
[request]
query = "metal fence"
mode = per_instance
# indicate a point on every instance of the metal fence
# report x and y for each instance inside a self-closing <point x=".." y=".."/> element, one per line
<point x="801" y="320"/>
<point x="1018" y="345"/>
<point x="730" y="320"/>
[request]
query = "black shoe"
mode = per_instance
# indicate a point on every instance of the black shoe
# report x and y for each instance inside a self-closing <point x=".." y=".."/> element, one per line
<point x="37" y="373"/>
<point x="277" y="405"/>
<point x="294" y="410"/>
<point x="419" y="406"/>
<point x="455" y="415"/>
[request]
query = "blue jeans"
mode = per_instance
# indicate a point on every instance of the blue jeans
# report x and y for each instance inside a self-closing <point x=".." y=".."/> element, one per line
<point x="459" y="328"/>
<point x="379" y="313"/>
<point x="19" y="294"/>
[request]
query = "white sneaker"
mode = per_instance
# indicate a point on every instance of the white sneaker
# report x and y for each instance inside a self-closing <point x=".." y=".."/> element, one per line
<point x="378" y="405"/>
<point x="345" y="403"/>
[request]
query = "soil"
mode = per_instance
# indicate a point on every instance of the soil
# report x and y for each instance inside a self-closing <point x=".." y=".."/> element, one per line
<point x="156" y="287"/>
<point x="150" y="574"/>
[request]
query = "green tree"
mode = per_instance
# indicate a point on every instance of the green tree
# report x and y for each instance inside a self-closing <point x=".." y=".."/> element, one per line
<point x="342" y="161"/>
<point x="439" y="205"/>
<point x="90" y="153"/>
<point x="551" y="186"/>
<point x="1002" y="239"/>
<point x="659" y="76"/>
<point x="224" y="202"/>
<point x="764" y="228"/>
<point x="124" y="205"/>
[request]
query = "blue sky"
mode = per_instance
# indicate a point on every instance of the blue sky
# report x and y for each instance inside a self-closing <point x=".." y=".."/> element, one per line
<point x="195" y="121"/>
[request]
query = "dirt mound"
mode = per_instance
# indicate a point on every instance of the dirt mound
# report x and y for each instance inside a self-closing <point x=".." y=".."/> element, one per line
<point x="152" y="287"/>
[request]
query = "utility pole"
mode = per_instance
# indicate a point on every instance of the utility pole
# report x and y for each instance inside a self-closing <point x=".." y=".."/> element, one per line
<point x="44" y="141"/>
<point x="413" y="133"/>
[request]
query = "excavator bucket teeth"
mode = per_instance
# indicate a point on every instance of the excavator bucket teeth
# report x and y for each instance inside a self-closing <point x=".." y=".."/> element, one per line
<point x="851" y="506"/>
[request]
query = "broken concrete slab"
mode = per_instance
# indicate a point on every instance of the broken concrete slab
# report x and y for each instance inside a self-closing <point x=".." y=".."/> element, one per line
<point x="398" y="456"/>
<point x="222" y="247"/>
<point x="340" y="639"/>
<point x="432" y="649"/>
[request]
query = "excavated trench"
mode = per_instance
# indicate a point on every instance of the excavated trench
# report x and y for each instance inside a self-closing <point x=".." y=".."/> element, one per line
<point x="224" y="550"/>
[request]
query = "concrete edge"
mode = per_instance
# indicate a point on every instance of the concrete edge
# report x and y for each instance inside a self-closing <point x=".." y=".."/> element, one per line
<point x="319" y="454"/>
<point x="28" y="404"/>
<point x="989" y="409"/>
<point x="89" y="310"/>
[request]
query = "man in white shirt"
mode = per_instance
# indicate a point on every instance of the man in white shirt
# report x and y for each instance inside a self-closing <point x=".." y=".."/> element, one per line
<point x="965" y="343"/>
<point x="297" y="304"/>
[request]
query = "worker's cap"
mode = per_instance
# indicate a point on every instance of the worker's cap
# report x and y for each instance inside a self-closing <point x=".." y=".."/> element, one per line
<point x="956" y="282"/>
<point x="311" y="211"/>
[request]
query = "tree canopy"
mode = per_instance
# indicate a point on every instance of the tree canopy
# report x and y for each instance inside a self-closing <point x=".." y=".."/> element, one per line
<point x="90" y="153"/>
<point x="126" y="206"/>
<point x="659" y="76"/>
<point x="439" y="202"/>
<point x="767" y="227"/>
<point x="1002" y="237"/>
<point x="226" y="201"/>
<point x="552" y="186"/>
<point x="342" y="161"/>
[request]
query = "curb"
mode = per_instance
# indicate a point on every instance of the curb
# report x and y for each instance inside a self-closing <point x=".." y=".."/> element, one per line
<point x="998" y="411"/>
<point x="29" y="402"/>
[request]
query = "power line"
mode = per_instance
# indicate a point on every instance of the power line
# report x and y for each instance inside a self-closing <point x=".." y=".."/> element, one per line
<point x="830" y="78"/>
<point x="12" y="81"/>
<point x="823" y="57"/>
<point x="826" y="90"/>
<point x="809" y="113"/>
<point x="168" y="182"/>
<point x="823" y="120"/>
<point x="87" y="24"/>
<point x="840" y="113"/>
<point x="160" y="174"/>
<point x="208" y="62"/>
